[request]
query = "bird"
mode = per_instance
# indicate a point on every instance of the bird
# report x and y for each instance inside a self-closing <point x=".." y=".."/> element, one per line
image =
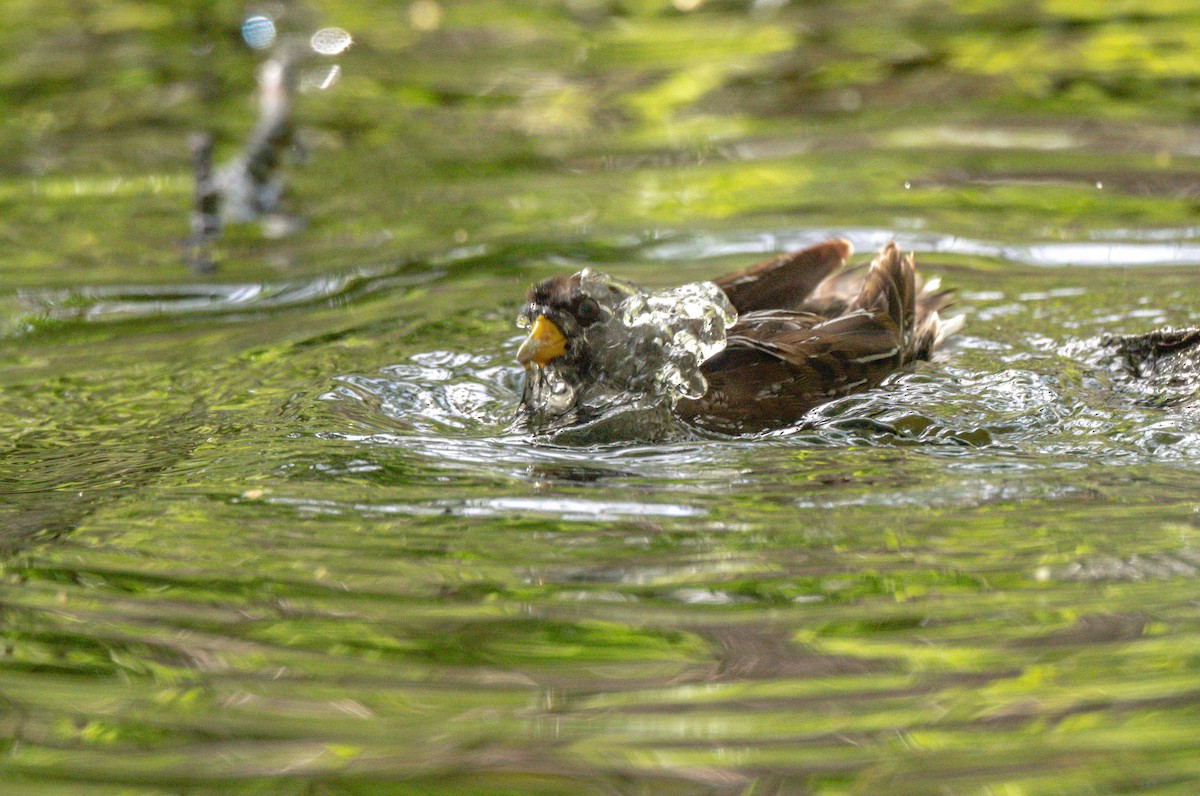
<point x="749" y="351"/>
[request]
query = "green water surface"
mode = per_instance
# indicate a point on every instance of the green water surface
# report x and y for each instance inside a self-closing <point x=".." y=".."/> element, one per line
<point x="273" y="530"/>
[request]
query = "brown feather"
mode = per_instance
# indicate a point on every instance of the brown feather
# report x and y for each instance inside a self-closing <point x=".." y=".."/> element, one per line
<point x="778" y="365"/>
<point x="784" y="282"/>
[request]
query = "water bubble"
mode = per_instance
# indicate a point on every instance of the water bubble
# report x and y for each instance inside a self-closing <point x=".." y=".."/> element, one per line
<point x="330" y="41"/>
<point x="425" y="15"/>
<point x="849" y="100"/>
<point x="258" y="31"/>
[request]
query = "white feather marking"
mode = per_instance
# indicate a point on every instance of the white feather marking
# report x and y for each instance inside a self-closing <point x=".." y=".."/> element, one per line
<point x="891" y="352"/>
<point x="854" y="314"/>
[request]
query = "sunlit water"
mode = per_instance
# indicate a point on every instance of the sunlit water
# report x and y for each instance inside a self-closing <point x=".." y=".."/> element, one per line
<point x="283" y="529"/>
<point x="338" y="553"/>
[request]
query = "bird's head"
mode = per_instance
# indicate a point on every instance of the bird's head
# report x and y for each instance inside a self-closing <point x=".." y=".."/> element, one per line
<point x="557" y="313"/>
<point x="595" y="343"/>
<point x="566" y="317"/>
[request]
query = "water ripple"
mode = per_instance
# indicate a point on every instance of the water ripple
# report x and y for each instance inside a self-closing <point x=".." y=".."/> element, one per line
<point x="1062" y="400"/>
<point x="1128" y="250"/>
<point x="131" y="302"/>
<point x="563" y="508"/>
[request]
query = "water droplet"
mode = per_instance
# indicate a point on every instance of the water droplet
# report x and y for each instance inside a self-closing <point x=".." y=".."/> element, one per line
<point x="320" y="79"/>
<point x="425" y="15"/>
<point x="330" y="41"/>
<point x="258" y="31"/>
<point x="849" y="100"/>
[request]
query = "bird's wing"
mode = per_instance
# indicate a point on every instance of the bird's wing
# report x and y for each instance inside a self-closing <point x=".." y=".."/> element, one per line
<point x="776" y="365"/>
<point x="769" y="376"/>
<point x="784" y="282"/>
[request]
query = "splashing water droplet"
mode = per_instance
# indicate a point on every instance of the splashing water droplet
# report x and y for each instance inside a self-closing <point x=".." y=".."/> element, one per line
<point x="320" y="79"/>
<point x="644" y="358"/>
<point x="258" y="31"/>
<point x="659" y="339"/>
<point x="330" y="41"/>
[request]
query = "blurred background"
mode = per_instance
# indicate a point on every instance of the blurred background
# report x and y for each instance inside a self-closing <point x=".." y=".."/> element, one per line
<point x="459" y="122"/>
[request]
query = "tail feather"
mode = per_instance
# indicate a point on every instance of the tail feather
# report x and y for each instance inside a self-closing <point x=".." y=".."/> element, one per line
<point x="892" y="286"/>
<point x="931" y="328"/>
<point x="932" y="331"/>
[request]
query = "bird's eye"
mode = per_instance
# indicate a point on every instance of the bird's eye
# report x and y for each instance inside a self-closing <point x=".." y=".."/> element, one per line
<point x="588" y="312"/>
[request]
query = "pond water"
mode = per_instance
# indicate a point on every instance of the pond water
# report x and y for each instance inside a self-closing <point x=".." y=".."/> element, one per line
<point x="273" y="529"/>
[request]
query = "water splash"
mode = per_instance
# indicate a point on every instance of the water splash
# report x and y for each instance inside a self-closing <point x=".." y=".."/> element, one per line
<point x="1160" y="368"/>
<point x="645" y="358"/>
<point x="687" y="324"/>
<point x="995" y="402"/>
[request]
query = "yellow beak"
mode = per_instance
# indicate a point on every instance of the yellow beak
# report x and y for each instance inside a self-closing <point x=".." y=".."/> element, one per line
<point x="544" y="343"/>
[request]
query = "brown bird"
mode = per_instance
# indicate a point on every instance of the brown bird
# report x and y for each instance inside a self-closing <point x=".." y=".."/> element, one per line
<point x="752" y="350"/>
